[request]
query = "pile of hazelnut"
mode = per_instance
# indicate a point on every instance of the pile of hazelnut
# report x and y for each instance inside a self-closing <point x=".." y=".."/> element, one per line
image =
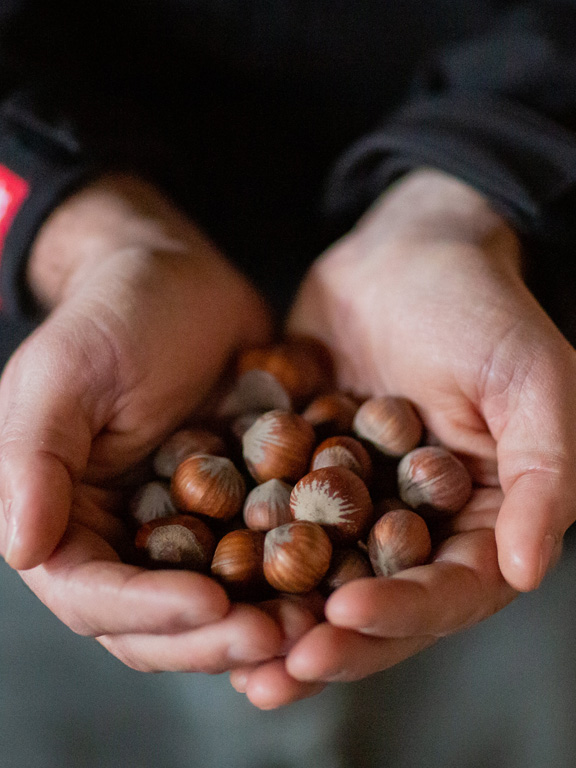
<point x="296" y="486"/>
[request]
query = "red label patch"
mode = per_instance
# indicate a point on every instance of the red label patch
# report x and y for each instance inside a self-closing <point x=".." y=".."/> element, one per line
<point x="13" y="192"/>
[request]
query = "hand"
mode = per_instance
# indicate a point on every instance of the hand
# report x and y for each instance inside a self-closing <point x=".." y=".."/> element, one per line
<point x="425" y="299"/>
<point x="143" y="314"/>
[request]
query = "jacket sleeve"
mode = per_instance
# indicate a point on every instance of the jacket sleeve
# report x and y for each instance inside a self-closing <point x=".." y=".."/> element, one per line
<point x="497" y="111"/>
<point x="67" y="114"/>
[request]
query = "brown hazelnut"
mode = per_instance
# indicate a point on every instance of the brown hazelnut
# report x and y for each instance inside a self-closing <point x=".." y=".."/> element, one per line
<point x="346" y="565"/>
<point x="331" y="414"/>
<point x="184" y="443"/>
<point x="151" y="501"/>
<point x="335" y="498"/>
<point x="296" y="556"/>
<point x="181" y="541"/>
<point x="208" y="485"/>
<point x="302" y="365"/>
<point x="433" y="481"/>
<point x="343" y="451"/>
<point x="390" y="424"/>
<point x="238" y="562"/>
<point x="268" y="505"/>
<point x="399" y="539"/>
<point x="278" y="445"/>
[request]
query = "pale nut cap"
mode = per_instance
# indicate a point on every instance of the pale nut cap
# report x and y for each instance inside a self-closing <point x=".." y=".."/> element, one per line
<point x="181" y="541"/>
<point x="390" y="424"/>
<point x="268" y="505"/>
<point x="152" y="501"/>
<point x="336" y="498"/>
<point x="343" y="451"/>
<point x="433" y="481"/>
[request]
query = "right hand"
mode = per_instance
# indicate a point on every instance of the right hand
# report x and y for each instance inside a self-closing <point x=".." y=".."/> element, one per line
<point x="143" y="315"/>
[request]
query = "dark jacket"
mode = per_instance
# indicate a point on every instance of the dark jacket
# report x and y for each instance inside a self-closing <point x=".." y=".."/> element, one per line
<point x="274" y="123"/>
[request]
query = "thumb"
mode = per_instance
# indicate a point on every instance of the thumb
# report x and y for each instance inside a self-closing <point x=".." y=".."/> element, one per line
<point x="44" y="446"/>
<point x="537" y="461"/>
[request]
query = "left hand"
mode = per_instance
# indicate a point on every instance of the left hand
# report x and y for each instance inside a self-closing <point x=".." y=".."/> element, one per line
<point x="425" y="299"/>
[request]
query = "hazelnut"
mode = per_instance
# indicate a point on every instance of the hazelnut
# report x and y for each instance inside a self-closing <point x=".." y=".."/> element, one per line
<point x="151" y="501"/>
<point x="254" y="391"/>
<point x="268" y="505"/>
<point x="302" y="365"/>
<point x="391" y="424"/>
<point x="335" y="498"/>
<point x="343" y="451"/>
<point x="181" y="541"/>
<point x="238" y="562"/>
<point x="399" y="539"/>
<point x="331" y="414"/>
<point x="296" y="556"/>
<point x="182" y="444"/>
<point x="278" y="445"/>
<point x="208" y="485"/>
<point x="346" y="565"/>
<point x="433" y="481"/>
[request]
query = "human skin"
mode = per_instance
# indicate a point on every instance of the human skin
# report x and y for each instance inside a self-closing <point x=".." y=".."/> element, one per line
<point x="425" y="299"/>
<point x="143" y="314"/>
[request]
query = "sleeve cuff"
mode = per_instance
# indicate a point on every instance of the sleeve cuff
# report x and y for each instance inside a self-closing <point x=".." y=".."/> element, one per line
<point x="40" y="164"/>
<point x="523" y="162"/>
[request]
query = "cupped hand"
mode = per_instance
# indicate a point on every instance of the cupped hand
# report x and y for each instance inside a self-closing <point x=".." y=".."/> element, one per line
<point x="143" y="313"/>
<point x="425" y="299"/>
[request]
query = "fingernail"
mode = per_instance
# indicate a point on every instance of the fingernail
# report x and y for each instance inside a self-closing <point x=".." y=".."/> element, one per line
<point x="546" y="552"/>
<point x="9" y="531"/>
<point x="239" y="682"/>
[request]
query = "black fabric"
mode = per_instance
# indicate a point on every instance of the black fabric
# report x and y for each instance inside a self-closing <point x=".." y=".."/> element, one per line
<point x="49" y="158"/>
<point x="241" y="110"/>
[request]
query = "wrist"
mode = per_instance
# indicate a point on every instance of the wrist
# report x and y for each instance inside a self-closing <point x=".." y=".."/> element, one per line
<point x="429" y="206"/>
<point x="113" y="216"/>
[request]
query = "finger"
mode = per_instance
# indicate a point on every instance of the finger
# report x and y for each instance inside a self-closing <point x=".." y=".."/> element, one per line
<point x="333" y="654"/>
<point x="536" y="456"/>
<point x="44" y="446"/>
<point x="85" y="585"/>
<point x="537" y="510"/>
<point x="269" y="686"/>
<point x="294" y="616"/>
<point x="244" y="637"/>
<point x="460" y="588"/>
